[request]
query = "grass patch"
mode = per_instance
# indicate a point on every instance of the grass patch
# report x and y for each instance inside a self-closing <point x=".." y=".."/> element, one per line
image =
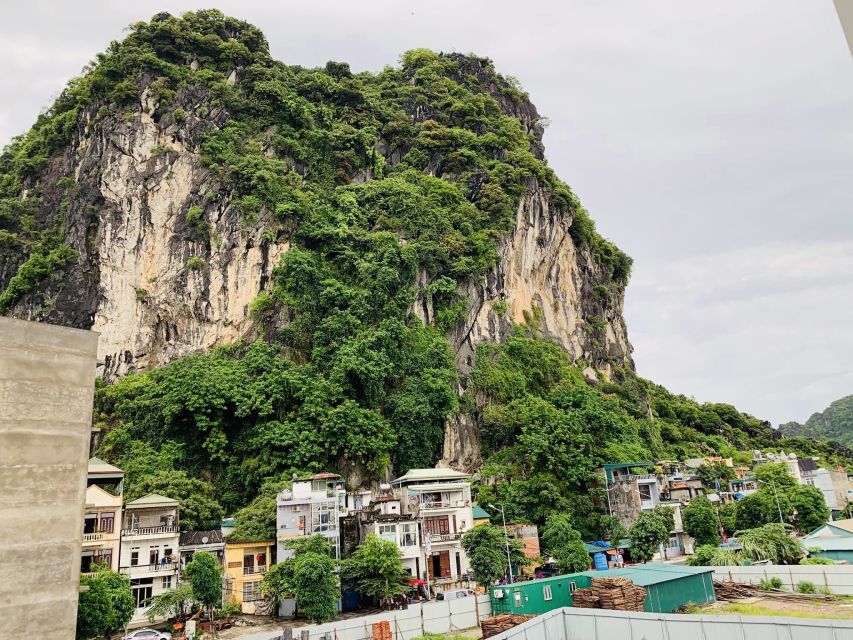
<point x="757" y="609"/>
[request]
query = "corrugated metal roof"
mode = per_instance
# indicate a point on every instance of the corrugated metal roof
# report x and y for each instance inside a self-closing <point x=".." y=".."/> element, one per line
<point x="647" y="574"/>
<point x="421" y="475"/>
<point x="480" y="513"/>
<point x="153" y="500"/>
<point x="98" y="466"/>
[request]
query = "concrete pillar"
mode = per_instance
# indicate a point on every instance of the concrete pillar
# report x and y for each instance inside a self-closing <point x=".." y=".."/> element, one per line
<point x="47" y="378"/>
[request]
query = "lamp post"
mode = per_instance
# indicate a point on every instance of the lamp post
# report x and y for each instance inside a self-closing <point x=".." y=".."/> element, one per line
<point x="506" y="542"/>
<point x="776" y="495"/>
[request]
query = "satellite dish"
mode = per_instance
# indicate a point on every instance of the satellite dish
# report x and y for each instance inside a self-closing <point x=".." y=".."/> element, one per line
<point x="204" y="540"/>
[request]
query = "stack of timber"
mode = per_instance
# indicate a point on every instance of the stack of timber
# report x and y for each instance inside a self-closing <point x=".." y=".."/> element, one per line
<point x="498" y="624"/>
<point x="619" y="594"/>
<point x="738" y="590"/>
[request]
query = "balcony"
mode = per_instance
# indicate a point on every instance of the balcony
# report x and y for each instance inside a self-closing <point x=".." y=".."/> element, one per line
<point x="137" y="569"/>
<point x="447" y="504"/>
<point x="93" y="537"/>
<point x="150" y="531"/>
<point x="250" y="571"/>
<point x="443" y="538"/>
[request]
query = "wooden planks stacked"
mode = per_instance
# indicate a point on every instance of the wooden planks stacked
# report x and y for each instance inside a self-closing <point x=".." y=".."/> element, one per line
<point x="498" y="624"/>
<point x="619" y="594"/>
<point x="739" y="590"/>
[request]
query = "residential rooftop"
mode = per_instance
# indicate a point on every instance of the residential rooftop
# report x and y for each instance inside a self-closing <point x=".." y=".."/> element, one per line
<point x="430" y="475"/>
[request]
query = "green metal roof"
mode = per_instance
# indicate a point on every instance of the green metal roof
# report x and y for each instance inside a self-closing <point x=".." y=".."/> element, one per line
<point x="648" y="574"/>
<point x="591" y="548"/>
<point x="480" y="513"/>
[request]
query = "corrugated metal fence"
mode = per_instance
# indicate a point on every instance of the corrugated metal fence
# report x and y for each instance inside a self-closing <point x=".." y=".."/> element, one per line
<point x="600" y="624"/>
<point x="838" y="578"/>
<point x="433" y="617"/>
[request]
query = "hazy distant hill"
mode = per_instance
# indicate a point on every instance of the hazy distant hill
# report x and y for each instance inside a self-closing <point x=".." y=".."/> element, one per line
<point x="834" y="423"/>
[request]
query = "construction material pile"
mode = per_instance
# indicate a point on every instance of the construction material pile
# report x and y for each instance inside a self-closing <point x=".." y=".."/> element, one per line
<point x="738" y="590"/>
<point x="498" y="624"/>
<point x="619" y="594"/>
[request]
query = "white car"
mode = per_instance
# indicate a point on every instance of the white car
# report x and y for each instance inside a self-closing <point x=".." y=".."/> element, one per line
<point x="454" y="594"/>
<point x="148" y="634"/>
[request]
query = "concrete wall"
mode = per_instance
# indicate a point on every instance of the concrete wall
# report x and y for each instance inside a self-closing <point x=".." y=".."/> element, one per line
<point x="47" y="378"/>
<point x="600" y="624"/>
<point x="838" y="578"/>
<point x="432" y="617"/>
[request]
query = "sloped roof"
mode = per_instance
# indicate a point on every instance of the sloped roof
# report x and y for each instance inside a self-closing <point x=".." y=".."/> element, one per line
<point x="806" y="464"/>
<point x="651" y="573"/>
<point x="838" y="543"/>
<point x="847" y="524"/>
<point x="152" y="500"/>
<point x="195" y="538"/>
<point x="423" y="475"/>
<point x="480" y="513"/>
<point x="98" y="466"/>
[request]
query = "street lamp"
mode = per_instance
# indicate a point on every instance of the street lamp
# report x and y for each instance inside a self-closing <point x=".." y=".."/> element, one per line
<point x="778" y="506"/>
<point x="506" y="540"/>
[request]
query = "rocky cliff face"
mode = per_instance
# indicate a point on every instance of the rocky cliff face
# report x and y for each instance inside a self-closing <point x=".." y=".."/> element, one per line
<point x="152" y="284"/>
<point x="167" y="265"/>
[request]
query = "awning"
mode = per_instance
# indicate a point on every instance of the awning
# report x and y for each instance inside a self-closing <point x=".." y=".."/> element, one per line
<point x="416" y="582"/>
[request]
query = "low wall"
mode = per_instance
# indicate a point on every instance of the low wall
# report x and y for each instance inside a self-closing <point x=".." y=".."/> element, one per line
<point x="431" y="617"/>
<point x="838" y="578"/>
<point x="601" y="624"/>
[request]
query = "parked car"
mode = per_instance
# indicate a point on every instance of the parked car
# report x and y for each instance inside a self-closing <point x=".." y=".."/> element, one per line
<point x="148" y="634"/>
<point x="454" y="594"/>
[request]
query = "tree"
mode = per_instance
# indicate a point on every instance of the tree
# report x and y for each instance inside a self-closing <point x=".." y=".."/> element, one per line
<point x="612" y="529"/>
<point x="106" y="606"/>
<point x="172" y="603"/>
<point x="205" y="575"/>
<point x="770" y="542"/>
<point x="775" y="474"/>
<point x="647" y="533"/>
<point x="308" y="576"/>
<point x="486" y="547"/>
<point x="565" y="545"/>
<point x="713" y="472"/>
<point x="375" y="569"/>
<point x="667" y="515"/>
<point x="762" y="507"/>
<point x="727" y="514"/>
<point x="700" y="521"/>
<point x="256" y="521"/>
<point x="199" y="510"/>
<point x="810" y="510"/>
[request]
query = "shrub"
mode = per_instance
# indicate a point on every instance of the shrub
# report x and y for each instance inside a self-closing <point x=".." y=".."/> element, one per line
<point x="771" y="584"/>
<point x="806" y="587"/>
<point x="195" y="263"/>
<point x="817" y="560"/>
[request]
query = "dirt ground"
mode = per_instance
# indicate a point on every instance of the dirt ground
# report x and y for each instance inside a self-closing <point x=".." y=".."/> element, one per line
<point x="838" y="609"/>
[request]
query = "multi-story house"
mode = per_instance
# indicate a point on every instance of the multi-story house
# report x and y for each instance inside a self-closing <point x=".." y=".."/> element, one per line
<point x="246" y="562"/>
<point x="102" y="519"/>
<point x="211" y="542"/>
<point x="440" y="501"/>
<point x="384" y="517"/>
<point x="149" y="549"/>
<point x="629" y="492"/>
<point x="312" y="506"/>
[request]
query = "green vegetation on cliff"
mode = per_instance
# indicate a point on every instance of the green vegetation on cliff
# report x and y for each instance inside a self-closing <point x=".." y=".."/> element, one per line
<point x="833" y="423"/>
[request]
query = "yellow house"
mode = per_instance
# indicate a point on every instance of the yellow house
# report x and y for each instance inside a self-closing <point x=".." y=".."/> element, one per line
<point x="246" y="562"/>
<point x="480" y="515"/>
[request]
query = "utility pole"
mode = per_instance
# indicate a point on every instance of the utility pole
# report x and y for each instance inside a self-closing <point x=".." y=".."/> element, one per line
<point x="776" y="495"/>
<point x="506" y="542"/>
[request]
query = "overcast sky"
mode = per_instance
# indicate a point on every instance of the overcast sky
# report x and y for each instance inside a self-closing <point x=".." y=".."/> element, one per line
<point x="712" y="140"/>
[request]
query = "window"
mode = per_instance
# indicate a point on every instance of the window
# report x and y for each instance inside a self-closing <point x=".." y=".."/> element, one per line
<point x="251" y="591"/>
<point x="388" y="532"/>
<point x="439" y="525"/>
<point x="572" y="586"/>
<point x="645" y="491"/>
<point x="517" y="597"/>
<point x="324" y="517"/>
<point x="546" y="592"/>
<point x="248" y="563"/>
<point x="108" y="519"/>
<point x="167" y="582"/>
<point x="301" y="524"/>
<point x="262" y="560"/>
<point x="89" y="524"/>
<point x="154" y="556"/>
<point x="134" y="557"/>
<point x="409" y="535"/>
<point x="141" y="590"/>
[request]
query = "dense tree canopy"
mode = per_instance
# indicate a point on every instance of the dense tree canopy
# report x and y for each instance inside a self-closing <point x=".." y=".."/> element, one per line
<point x="486" y="547"/>
<point x="647" y="533"/>
<point x="205" y="575"/>
<point x="105" y="606"/>
<point x="700" y="521"/>
<point x="308" y="576"/>
<point x="564" y="544"/>
<point x="375" y="569"/>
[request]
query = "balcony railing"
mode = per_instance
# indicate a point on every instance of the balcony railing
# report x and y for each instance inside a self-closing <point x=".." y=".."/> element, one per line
<point x="150" y="531"/>
<point x="248" y="571"/>
<point x="438" y="538"/>
<point x="167" y="567"/>
<point x="447" y="504"/>
<point x="93" y="537"/>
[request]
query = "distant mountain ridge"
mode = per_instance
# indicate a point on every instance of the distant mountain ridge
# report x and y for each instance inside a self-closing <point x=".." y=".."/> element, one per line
<point x="834" y="423"/>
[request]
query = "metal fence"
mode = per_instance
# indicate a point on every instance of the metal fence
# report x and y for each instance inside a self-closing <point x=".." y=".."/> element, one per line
<point x="837" y="578"/>
<point x="601" y="624"/>
<point x="432" y="617"/>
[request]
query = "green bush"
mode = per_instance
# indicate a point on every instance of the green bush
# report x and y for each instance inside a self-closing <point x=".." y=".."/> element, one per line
<point x="771" y="584"/>
<point x="806" y="587"/>
<point x="817" y="560"/>
<point x="195" y="263"/>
